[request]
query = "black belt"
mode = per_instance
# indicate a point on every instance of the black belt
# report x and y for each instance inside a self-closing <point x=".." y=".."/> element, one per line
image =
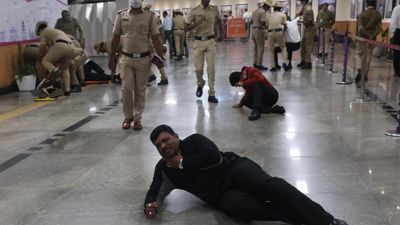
<point x="260" y="28"/>
<point x="204" y="38"/>
<point x="275" y="30"/>
<point x="32" y="46"/>
<point x="136" y="55"/>
<point x="63" y="41"/>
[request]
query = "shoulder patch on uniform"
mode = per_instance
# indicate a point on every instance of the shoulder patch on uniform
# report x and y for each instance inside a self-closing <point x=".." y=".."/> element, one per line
<point x="122" y="10"/>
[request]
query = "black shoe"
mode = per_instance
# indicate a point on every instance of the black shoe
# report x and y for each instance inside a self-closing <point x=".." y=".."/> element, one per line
<point x="199" y="91"/>
<point x="67" y="93"/>
<point x="163" y="82"/>
<point x="255" y="65"/>
<point x="255" y="115"/>
<point x="286" y="67"/>
<point x="301" y="64"/>
<point x="152" y="78"/>
<point x="274" y="69"/>
<point x="212" y="99"/>
<point x="261" y="67"/>
<point x="278" y="109"/>
<point x="338" y="222"/>
<point x="306" y="66"/>
<point x="76" y="88"/>
<point x="278" y="66"/>
<point x="290" y="66"/>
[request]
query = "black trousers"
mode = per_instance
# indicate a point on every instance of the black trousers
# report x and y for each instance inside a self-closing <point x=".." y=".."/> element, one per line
<point x="396" y="54"/>
<point x="98" y="73"/>
<point x="250" y="193"/>
<point x="290" y="48"/>
<point x="262" y="98"/>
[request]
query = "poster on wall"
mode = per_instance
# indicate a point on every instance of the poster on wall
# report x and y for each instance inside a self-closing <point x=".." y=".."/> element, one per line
<point x="19" y="18"/>
<point x="240" y="9"/>
<point x="225" y="9"/>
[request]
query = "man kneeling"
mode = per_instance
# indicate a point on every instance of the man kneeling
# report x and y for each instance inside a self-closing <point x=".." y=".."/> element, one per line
<point x="260" y="95"/>
<point x="235" y="185"/>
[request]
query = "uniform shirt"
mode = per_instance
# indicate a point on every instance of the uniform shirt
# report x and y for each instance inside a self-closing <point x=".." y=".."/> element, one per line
<point x="395" y="20"/>
<point x="178" y="22"/>
<point x="325" y="19"/>
<point x="203" y="174"/>
<point x="276" y="20"/>
<point x="308" y="16"/>
<point x="48" y="36"/>
<point x="254" y="76"/>
<point x="167" y="23"/>
<point x="135" y="30"/>
<point x="68" y="26"/>
<point x="206" y="28"/>
<point x="259" y="16"/>
<point x="292" y="32"/>
<point x="369" y="23"/>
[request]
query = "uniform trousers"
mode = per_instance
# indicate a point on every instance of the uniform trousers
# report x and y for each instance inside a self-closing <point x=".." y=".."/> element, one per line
<point x="324" y="37"/>
<point x="205" y="50"/>
<point x="259" y="41"/>
<point x="276" y="37"/>
<point x="250" y="193"/>
<point x="170" y="38"/>
<point x="307" y="44"/>
<point x="179" y="36"/>
<point x="363" y="50"/>
<point x="262" y="98"/>
<point x="290" y="48"/>
<point x="134" y="77"/>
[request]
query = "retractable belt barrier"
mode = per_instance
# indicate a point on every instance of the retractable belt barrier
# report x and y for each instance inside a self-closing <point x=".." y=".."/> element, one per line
<point x="367" y="42"/>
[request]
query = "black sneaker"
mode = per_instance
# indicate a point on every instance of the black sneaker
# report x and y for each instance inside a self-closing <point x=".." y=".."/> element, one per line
<point x="152" y="78"/>
<point x="338" y="222"/>
<point x="212" y="99"/>
<point x="278" y="109"/>
<point x="306" y="66"/>
<point x="76" y="88"/>
<point x="274" y="69"/>
<point x="255" y="115"/>
<point x="301" y="64"/>
<point x="67" y="93"/>
<point x="163" y="82"/>
<point x="199" y="91"/>
<point x="286" y="67"/>
<point x="261" y="67"/>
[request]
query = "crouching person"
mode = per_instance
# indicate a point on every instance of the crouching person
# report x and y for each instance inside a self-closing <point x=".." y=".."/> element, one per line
<point x="260" y="95"/>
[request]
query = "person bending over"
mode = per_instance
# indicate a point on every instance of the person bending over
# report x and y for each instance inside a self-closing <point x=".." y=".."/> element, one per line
<point x="260" y="95"/>
<point x="233" y="184"/>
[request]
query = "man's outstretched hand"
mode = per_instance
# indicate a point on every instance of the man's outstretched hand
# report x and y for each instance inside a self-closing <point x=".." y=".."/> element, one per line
<point x="151" y="209"/>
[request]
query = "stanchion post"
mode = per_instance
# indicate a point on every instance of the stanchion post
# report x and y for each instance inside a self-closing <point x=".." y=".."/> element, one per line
<point x="346" y="57"/>
<point x="318" y="41"/>
<point x="323" y="46"/>
<point x="396" y="131"/>
<point x="332" y="53"/>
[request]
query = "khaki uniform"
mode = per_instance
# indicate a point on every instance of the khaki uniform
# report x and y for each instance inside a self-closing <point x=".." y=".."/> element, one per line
<point x="325" y="20"/>
<point x="369" y="26"/>
<point x="69" y="27"/>
<point x="307" y="41"/>
<point x="135" y="31"/>
<point x="206" y="47"/>
<point x="30" y="54"/>
<point x="153" y="50"/>
<point x="61" y="52"/>
<point x="178" y="25"/>
<point x="276" y="35"/>
<point x="259" y="15"/>
<point x="77" y="63"/>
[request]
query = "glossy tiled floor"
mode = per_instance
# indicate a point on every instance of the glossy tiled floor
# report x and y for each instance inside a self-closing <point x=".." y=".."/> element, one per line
<point x="331" y="148"/>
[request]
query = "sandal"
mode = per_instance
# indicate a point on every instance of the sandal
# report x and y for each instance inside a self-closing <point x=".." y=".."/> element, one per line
<point x="126" y="124"/>
<point x="137" y="125"/>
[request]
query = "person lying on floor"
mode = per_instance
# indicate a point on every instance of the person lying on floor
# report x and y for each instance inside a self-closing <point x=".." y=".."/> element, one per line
<point x="260" y="95"/>
<point x="233" y="184"/>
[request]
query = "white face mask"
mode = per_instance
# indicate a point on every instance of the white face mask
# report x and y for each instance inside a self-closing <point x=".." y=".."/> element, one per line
<point x="135" y="3"/>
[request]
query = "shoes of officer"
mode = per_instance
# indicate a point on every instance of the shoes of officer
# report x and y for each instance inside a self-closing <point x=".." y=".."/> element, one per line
<point x="76" y="88"/>
<point x="323" y="54"/>
<point x="276" y="68"/>
<point x="254" y="115"/>
<point x="67" y="93"/>
<point x="338" y="222"/>
<point x="302" y="63"/>
<point x="286" y="67"/>
<point x="199" y="91"/>
<point x="260" y="67"/>
<point x="163" y="82"/>
<point x="212" y="99"/>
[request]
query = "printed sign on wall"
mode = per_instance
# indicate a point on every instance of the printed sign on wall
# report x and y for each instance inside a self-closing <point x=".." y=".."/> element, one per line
<point x="18" y="18"/>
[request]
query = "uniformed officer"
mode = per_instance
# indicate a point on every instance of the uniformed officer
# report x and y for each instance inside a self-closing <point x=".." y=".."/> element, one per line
<point x="70" y="25"/>
<point x="133" y="28"/>
<point x="369" y="26"/>
<point x="31" y="54"/>
<point x="276" y="24"/>
<point x="76" y="67"/>
<point x="259" y="20"/>
<point x="307" y="41"/>
<point x="325" y="21"/>
<point x="178" y="25"/>
<point x="201" y="20"/>
<point x="60" y="53"/>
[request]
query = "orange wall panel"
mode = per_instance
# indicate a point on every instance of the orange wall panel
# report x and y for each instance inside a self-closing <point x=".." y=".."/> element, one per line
<point x="8" y="58"/>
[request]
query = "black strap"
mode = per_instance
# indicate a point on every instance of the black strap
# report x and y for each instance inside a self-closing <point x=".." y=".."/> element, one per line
<point x="63" y="41"/>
